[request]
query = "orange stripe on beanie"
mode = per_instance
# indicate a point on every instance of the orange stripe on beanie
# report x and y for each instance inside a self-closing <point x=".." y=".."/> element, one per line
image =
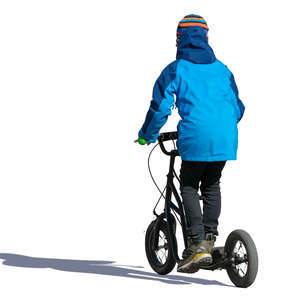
<point x="193" y="20"/>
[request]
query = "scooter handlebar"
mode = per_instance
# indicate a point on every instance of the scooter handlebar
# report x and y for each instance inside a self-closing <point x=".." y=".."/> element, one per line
<point x="166" y="136"/>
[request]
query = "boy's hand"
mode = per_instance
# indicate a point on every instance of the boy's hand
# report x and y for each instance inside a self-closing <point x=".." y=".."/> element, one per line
<point x="142" y="141"/>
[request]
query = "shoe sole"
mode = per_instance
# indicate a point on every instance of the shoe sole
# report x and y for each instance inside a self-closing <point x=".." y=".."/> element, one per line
<point x="200" y="259"/>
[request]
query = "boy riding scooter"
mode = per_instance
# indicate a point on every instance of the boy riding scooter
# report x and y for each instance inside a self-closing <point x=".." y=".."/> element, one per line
<point x="209" y="106"/>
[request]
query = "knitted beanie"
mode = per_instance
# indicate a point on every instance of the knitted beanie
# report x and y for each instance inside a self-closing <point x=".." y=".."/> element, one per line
<point x="190" y="21"/>
<point x="193" y="20"/>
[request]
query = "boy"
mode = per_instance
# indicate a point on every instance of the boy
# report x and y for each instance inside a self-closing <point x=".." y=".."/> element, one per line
<point x="209" y="106"/>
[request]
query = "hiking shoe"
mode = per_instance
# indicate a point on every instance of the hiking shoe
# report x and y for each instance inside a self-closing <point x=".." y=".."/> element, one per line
<point x="197" y="254"/>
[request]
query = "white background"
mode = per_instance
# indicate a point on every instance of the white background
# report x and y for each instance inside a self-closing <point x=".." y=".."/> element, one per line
<point x="76" y="80"/>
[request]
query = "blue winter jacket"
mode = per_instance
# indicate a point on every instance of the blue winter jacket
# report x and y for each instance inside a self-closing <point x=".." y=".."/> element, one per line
<point x="207" y="101"/>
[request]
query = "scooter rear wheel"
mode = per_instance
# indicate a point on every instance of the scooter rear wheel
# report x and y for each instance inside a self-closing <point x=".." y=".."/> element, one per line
<point x="160" y="257"/>
<point x="242" y="258"/>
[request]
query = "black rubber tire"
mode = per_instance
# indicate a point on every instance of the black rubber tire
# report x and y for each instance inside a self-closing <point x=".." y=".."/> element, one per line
<point x="170" y="263"/>
<point x="252" y="256"/>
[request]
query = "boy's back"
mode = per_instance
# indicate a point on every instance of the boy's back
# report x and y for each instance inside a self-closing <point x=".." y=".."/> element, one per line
<point x="209" y="111"/>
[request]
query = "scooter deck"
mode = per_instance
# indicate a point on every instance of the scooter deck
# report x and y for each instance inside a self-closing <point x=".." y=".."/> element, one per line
<point x="219" y="259"/>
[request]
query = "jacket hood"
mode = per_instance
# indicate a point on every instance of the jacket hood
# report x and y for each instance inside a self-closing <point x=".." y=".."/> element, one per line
<point x="192" y="45"/>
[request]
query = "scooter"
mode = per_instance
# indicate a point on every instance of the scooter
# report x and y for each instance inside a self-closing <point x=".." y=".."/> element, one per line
<point x="238" y="257"/>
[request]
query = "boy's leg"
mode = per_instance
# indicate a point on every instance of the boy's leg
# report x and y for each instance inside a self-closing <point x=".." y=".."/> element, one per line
<point x="198" y="251"/>
<point x="210" y="189"/>
<point x="190" y="174"/>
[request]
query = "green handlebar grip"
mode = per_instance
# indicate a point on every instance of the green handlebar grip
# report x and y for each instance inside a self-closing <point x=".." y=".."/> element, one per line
<point x="141" y="140"/>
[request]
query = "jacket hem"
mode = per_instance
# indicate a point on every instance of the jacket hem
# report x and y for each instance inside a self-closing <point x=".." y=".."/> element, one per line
<point x="214" y="158"/>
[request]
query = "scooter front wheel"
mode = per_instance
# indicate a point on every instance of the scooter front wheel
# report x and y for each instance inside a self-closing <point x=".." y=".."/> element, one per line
<point x="158" y="253"/>
<point x="242" y="258"/>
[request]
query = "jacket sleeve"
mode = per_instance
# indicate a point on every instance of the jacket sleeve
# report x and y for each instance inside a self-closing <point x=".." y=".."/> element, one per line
<point x="241" y="106"/>
<point x="160" y="105"/>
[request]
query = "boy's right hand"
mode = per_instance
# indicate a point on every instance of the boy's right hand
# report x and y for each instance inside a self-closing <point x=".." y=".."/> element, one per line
<point x="142" y="141"/>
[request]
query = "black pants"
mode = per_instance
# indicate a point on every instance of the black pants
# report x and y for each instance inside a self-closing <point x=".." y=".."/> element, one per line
<point x="209" y="174"/>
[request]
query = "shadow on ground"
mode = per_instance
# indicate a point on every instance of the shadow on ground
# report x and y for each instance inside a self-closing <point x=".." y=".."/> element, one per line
<point x="100" y="267"/>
